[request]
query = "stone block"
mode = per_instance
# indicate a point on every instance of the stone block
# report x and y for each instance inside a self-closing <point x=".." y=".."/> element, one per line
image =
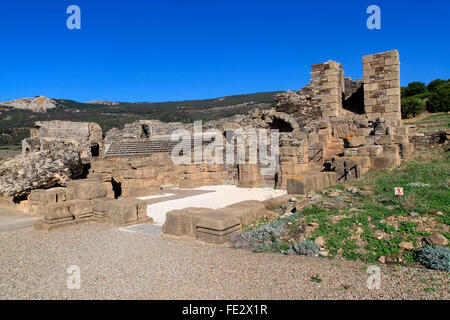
<point x="361" y="132"/>
<point x="354" y="142"/>
<point x="384" y="162"/>
<point x="133" y="192"/>
<point x="391" y="149"/>
<point x="101" y="204"/>
<point x="384" y="140"/>
<point x="184" y="222"/>
<point x="40" y="196"/>
<point x="330" y="113"/>
<point x="310" y="181"/>
<point x="398" y="138"/>
<point x="247" y="211"/>
<point x="123" y="211"/>
<point x="219" y="220"/>
<point x="88" y="189"/>
<point x="57" y="211"/>
<point x="216" y="237"/>
<point x="82" y="208"/>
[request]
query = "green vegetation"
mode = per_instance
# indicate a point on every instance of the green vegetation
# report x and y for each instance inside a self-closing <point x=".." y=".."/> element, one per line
<point x="413" y="88"/>
<point x="439" y="121"/>
<point x="439" y="100"/>
<point x="417" y="97"/>
<point x="9" y="150"/>
<point x="437" y="258"/>
<point x="15" y="124"/>
<point x="375" y="224"/>
<point x="316" y="278"/>
<point x="433" y="85"/>
<point x="412" y="106"/>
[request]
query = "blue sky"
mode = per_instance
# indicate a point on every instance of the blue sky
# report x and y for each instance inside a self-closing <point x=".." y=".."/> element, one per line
<point x="138" y="50"/>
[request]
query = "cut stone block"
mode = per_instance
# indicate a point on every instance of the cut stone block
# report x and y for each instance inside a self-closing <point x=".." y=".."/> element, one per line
<point x="132" y="192"/>
<point x="124" y="211"/>
<point x="184" y="222"/>
<point x="248" y="211"/>
<point x="219" y="220"/>
<point x="385" y="162"/>
<point x="354" y="142"/>
<point x="88" y="189"/>
<point x="209" y="236"/>
<point x="217" y="226"/>
<point x="82" y="208"/>
<point x="310" y="181"/>
<point x="57" y="211"/>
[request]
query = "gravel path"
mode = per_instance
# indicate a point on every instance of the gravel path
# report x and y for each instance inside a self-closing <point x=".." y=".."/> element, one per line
<point x="119" y="264"/>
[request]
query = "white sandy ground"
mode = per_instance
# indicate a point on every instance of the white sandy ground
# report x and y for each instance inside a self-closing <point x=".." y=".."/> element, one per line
<point x="222" y="196"/>
<point x="157" y="196"/>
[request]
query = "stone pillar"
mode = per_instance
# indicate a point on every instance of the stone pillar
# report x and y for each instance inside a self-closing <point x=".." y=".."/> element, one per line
<point x="327" y="83"/>
<point x="382" y="85"/>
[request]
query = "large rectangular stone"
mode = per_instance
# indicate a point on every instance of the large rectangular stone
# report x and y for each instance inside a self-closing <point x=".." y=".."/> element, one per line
<point x="218" y="220"/>
<point x="82" y="208"/>
<point x="354" y="142"/>
<point x="57" y="211"/>
<point x="184" y="222"/>
<point x="206" y="235"/>
<point x="123" y="211"/>
<point x="88" y="189"/>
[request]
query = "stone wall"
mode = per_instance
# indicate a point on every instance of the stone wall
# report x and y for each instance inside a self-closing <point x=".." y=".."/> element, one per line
<point x="382" y="85"/>
<point x="83" y="201"/>
<point x="83" y="135"/>
<point x="327" y="85"/>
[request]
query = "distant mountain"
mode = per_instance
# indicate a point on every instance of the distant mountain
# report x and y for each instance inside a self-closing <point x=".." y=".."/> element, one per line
<point x="106" y="103"/>
<point x="37" y="104"/>
<point x="16" y="117"/>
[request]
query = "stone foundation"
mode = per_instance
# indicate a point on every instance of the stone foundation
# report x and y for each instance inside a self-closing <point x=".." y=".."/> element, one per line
<point x="332" y="130"/>
<point x="213" y="226"/>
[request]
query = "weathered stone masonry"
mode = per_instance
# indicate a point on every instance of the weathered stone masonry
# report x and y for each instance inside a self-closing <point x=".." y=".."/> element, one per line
<point x="333" y="130"/>
<point x="382" y="85"/>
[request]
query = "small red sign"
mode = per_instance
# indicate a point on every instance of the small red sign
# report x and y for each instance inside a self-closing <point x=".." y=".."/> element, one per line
<point x="398" y="191"/>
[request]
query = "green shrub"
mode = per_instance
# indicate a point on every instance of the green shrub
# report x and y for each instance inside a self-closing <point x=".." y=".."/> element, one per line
<point x="437" y="258"/>
<point x="412" y="106"/>
<point x="439" y="101"/>
<point x="433" y="85"/>
<point x="423" y="95"/>
<point x="414" y="88"/>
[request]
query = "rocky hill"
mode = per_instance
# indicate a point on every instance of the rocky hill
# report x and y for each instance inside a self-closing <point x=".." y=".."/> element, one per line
<point x="37" y="104"/>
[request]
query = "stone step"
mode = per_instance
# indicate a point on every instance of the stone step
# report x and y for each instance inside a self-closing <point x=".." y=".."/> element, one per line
<point x="139" y="146"/>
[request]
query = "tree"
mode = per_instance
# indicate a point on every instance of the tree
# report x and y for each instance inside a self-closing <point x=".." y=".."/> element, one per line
<point x="414" y="88"/>
<point x="433" y="85"/>
<point x="439" y="101"/>
<point x="412" y="106"/>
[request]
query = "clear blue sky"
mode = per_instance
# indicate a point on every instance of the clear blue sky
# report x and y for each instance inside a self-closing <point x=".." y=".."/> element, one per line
<point x="138" y="50"/>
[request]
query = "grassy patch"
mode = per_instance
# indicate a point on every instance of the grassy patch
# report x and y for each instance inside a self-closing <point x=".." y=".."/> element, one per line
<point x="376" y="225"/>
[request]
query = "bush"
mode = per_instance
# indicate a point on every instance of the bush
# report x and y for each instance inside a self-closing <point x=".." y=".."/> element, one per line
<point x="423" y="95"/>
<point x="412" y="106"/>
<point x="439" y="101"/>
<point x="414" y="88"/>
<point x="433" y="85"/>
<point x="437" y="258"/>
<point x="306" y="248"/>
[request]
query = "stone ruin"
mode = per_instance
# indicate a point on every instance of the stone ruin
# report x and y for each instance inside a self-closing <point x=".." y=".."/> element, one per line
<point x="333" y="130"/>
<point x="85" y="136"/>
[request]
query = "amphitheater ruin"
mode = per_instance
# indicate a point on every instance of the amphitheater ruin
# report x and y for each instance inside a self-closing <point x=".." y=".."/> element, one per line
<point x="333" y="130"/>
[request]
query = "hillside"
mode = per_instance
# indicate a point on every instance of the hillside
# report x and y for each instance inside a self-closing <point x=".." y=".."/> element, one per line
<point x="15" y="123"/>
